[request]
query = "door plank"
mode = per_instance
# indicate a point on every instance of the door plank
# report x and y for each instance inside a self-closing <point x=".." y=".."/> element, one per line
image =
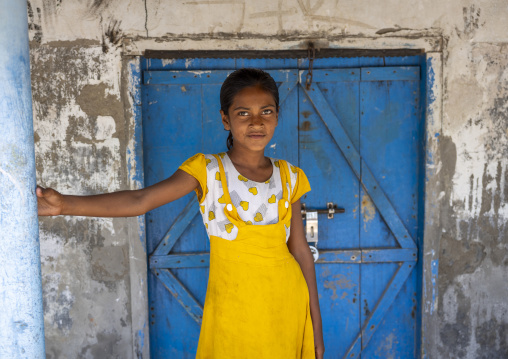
<point x="332" y="75"/>
<point x="399" y="73"/>
<point x="359" y="256"/>
<point x="340" y="256"/>
<point x="187" y="260"/>
<point x="182" y="295"/>
<point x="179" y="225"/>
<point x="389" y="255"/>
<point x="185" y="77"/>
<point x="205" y="77"/>
<point x="372" y="323"/>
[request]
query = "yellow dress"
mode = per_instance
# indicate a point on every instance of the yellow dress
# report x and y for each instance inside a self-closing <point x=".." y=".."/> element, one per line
<point x="257" y="301"/>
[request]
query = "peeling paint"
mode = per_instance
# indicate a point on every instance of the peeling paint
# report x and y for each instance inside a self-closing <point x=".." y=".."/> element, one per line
<point x="166" y="62"/>
<point x="368" y="210"/>
<point x="342" y="282"/>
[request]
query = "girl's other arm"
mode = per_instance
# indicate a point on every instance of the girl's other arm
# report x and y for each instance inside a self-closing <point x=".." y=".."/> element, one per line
<point x="299" y="248"/>
<point x="117" y="204"/>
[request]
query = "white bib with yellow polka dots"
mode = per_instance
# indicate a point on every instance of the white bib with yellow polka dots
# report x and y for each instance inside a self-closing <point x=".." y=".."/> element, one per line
<point x="256" y="202"/>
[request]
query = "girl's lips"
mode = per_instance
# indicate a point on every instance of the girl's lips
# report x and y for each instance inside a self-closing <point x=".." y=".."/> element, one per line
<point x="256" y="135"/>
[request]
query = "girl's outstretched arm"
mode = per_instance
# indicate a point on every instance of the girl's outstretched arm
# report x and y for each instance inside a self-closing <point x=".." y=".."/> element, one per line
<point x="299" y="248"/>
<point x="117" y="204"/>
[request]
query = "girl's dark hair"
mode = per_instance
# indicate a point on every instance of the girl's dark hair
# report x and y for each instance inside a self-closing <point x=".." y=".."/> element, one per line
<point x="240" y="79"/>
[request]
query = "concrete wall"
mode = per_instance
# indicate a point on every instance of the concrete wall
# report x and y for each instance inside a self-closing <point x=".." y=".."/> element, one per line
<point x="94" y="291"/>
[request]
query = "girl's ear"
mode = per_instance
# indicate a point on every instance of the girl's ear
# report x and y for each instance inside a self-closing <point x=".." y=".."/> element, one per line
<point x="225" y="120"/>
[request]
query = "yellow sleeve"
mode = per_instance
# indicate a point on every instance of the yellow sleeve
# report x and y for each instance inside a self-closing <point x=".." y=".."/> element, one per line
<point x="301" y="187"/>
<point x="196" y="167"/>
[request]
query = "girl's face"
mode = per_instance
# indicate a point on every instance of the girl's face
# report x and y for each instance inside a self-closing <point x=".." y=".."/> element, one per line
<point x="251" y="118"/>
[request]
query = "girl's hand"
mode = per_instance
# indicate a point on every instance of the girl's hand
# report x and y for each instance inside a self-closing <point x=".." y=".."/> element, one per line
<point x="320" y="350"/>
<point x="49" y="202"/>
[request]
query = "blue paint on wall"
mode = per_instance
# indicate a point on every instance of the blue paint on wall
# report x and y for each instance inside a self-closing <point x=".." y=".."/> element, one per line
<point x="430" y="82"/>
<point x="135" y="153"/>
<point x="141" y="339"/>
<point x="135" y="163"/>
<point x="434" y="265"/>
<point x="21" y="315"/>
<point x="429" y="100"/>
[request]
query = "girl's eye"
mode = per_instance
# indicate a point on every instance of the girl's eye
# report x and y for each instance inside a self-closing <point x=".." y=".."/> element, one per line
<point x="267" y="112"/>
<point x="243" y="113"/>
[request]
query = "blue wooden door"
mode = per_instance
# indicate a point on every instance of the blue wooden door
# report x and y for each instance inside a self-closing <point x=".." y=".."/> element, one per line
<point x="357" y="131"/>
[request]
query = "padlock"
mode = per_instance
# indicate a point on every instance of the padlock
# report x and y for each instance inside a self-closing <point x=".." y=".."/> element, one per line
<point x="315" y="253"/>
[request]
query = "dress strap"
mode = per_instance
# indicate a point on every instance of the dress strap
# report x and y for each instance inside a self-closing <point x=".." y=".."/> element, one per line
<point x="230" y="209"/>
<point x="284" y="203"/>
<point x="223" y="180"/>
<point x="285" y="179"/>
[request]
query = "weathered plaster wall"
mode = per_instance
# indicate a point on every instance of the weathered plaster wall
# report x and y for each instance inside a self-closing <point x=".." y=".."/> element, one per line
<point x="83" y="129"/>
<point x="473" y="269"/>
<point x="80" y="148"/>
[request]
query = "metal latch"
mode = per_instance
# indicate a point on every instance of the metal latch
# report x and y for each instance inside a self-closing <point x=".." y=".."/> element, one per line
<point x="330" y="210"/>
<point x="311" y="227"/>
<point x="310" y="216"/>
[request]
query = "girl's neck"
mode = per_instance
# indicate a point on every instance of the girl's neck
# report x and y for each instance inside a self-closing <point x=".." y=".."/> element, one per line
<point x="248" y="159"/>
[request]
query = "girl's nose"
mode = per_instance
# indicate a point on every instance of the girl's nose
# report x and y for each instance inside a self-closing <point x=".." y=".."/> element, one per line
<point x="256" y="120"/>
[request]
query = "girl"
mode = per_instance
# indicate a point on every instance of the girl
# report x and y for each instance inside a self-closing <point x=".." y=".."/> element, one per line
<point x="261" y="299"/>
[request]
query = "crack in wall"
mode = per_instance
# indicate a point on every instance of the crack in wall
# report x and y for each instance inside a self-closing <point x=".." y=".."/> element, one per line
<point x="146" y="18"/>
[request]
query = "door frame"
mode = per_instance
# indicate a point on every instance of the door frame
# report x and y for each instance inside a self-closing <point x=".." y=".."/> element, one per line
<point x="429" y="228"/>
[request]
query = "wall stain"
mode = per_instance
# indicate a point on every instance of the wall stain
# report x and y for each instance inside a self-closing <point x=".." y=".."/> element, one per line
<point x="109" y="265"/>
<point x="57" y="303"/>
<point x="492" y="339"/>
<point x="95" y="101"/>
<point x="34" y="24"/>
<point x="458" y="332"/>
<point x="471" y="17"/>
<point x="112" y="37"/>
<point x="107" y="346"/>
<point x="97" y="7"/>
